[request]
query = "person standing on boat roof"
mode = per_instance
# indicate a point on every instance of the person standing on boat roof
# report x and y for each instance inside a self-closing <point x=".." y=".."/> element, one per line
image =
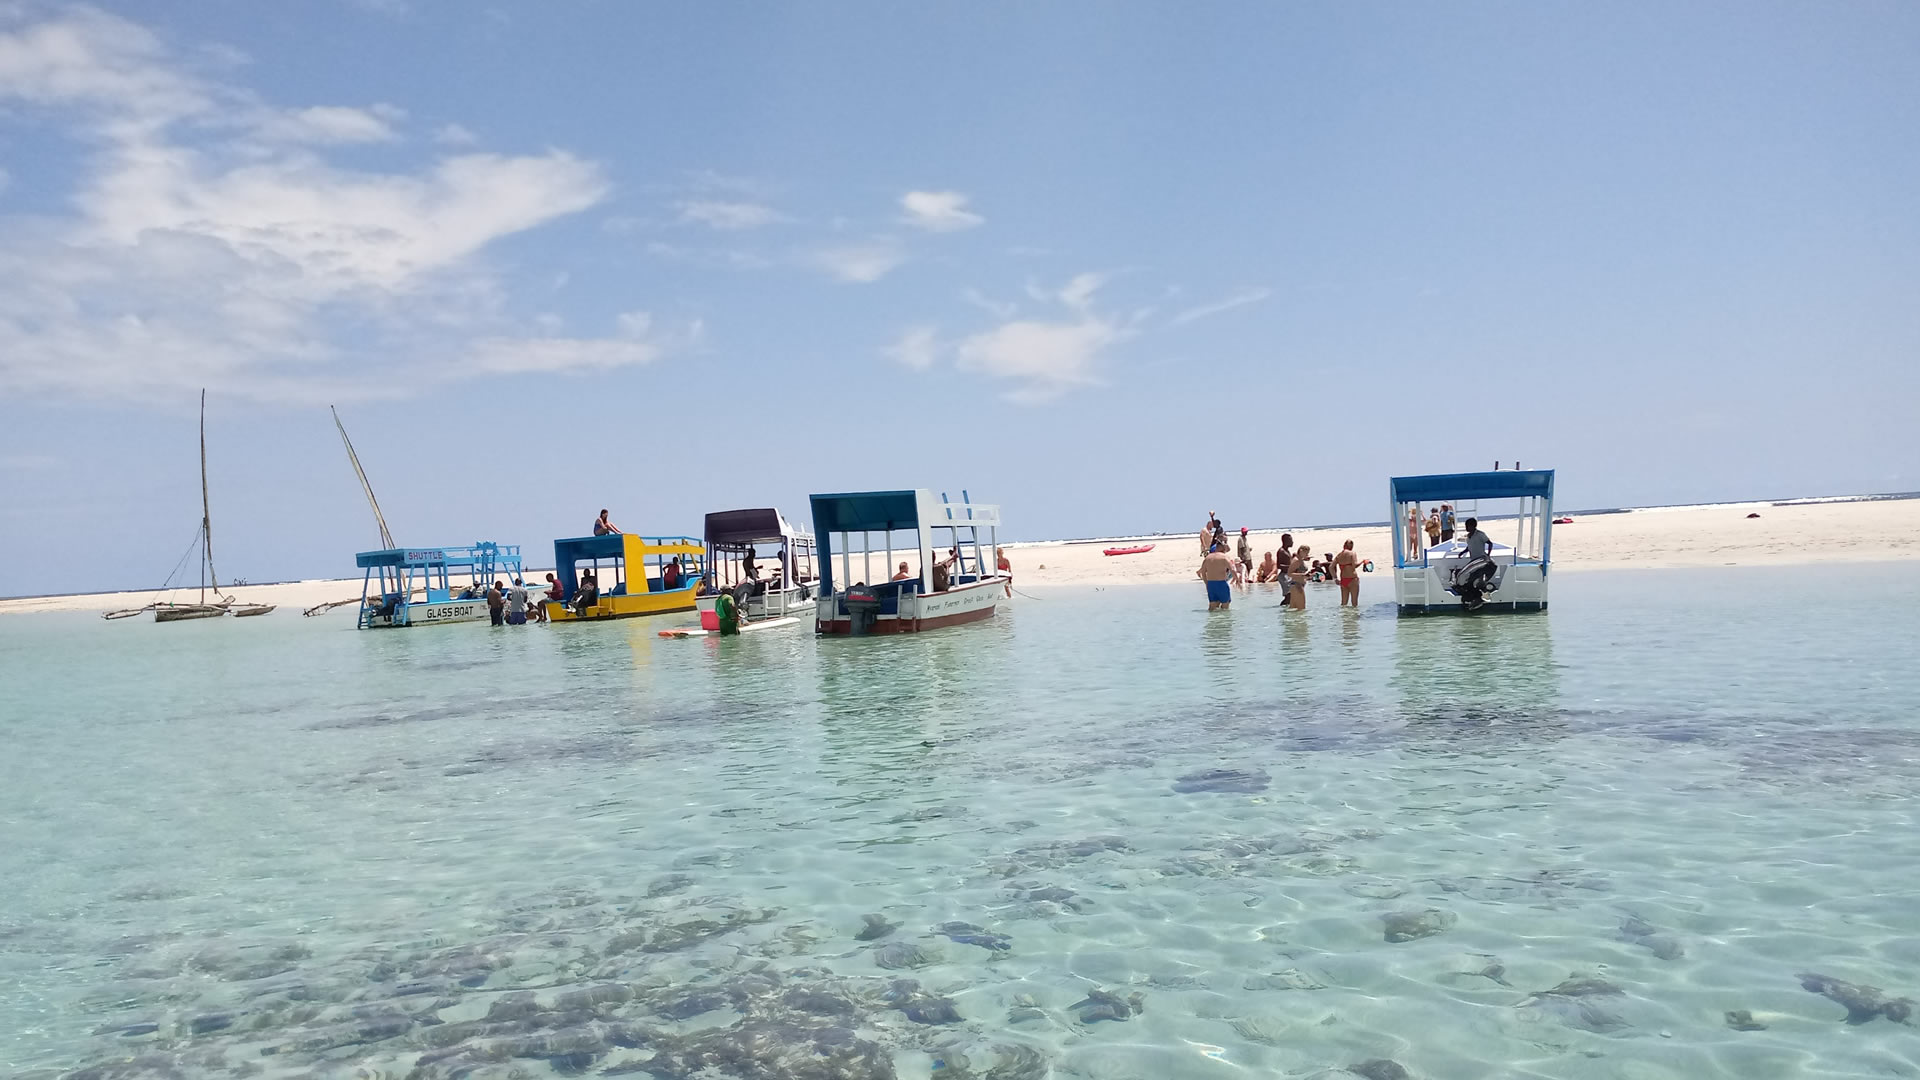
<point x="603" y="527"/>
<point x="497" y="604"/>
<point x="517" y="604"/>
<point x="1217" y="571"/>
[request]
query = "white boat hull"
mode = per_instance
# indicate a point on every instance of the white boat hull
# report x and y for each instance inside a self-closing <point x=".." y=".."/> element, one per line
<point x="434" y="614"/>
<point x="1417" y="589"/>
<point x="917" y="612"/>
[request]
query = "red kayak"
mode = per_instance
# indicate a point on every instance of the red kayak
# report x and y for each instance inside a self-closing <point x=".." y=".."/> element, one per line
<point x="1137" y="549"/>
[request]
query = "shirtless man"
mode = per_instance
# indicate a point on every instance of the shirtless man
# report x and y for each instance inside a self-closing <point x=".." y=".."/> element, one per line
<point x="1268" y="571"/>
<point x="1217" y="571"/>
<point x="1283" y="563"/>
<point x="1297" y="574"/>
<point x="1348" y="565"/>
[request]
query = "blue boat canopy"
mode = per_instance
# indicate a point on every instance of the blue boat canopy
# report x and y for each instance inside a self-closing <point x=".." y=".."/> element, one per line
<point x="1517" y="484"/>
<point x="604" y="546"/>
<point x="483" y="553"/>
<point x="865" y="511"/>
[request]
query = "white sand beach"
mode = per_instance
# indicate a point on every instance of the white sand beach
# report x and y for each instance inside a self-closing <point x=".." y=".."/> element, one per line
<point x="1639" y="539"/>
<point x="1708" y="536"/>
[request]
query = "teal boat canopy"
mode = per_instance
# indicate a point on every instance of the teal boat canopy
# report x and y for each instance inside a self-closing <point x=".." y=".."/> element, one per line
<point x="1517" y="484"/>
<point x="865" y="511"/>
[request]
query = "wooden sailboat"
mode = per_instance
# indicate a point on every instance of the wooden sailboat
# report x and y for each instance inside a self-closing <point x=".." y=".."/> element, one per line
<point x="168" y="611"/>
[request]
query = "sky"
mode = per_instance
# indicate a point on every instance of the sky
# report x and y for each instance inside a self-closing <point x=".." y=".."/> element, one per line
<point x="1110" y="266"/>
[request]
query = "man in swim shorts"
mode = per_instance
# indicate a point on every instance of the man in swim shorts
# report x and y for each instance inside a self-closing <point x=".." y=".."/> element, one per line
<point x="1348" y="565"/>
<point x="1217" y="570"/>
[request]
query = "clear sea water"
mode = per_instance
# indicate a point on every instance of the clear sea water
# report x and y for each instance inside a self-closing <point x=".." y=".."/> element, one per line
<point x="1508" y="846"/>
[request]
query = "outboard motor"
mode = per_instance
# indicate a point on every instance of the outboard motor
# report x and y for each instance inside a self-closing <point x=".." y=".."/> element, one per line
<point x="862" y="605"/>
<point x="1472" y="582"/>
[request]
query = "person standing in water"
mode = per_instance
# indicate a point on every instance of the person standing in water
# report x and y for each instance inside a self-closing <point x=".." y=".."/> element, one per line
<point x="1348" y="566"/>
<point x="1005" y="567"/>
<point x="1217" y="571"/>
<point x="1297" y="574"/>
<point x="728" y="613"/>
<point x="1244" y="551"/>
<point x="497" y="605"/>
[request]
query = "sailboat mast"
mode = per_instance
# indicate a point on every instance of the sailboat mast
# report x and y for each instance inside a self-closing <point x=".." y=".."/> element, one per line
<point x="386" y="538"/>
<point x="206" y="509"/>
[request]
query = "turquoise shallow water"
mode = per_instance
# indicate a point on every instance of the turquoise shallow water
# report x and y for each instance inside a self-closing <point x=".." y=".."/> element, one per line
<point x="280" y="847"/>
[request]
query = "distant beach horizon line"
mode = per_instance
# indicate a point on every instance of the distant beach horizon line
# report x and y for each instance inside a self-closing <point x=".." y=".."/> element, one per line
<point x="1807" y="500"/>
<point x="1810" y="500"/>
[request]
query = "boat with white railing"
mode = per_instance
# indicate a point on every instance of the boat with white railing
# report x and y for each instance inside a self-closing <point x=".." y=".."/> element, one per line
<point x="953" y="577"/>
<point x="1449" y="577"/>
<point x="431" y="586"/>
<point x="769" y="564"/>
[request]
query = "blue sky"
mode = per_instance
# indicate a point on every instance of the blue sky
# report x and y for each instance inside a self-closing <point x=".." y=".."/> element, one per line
<point x="1110" y="266"/>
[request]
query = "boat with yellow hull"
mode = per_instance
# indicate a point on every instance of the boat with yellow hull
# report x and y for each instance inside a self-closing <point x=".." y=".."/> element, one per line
<point x="619" y="590"/>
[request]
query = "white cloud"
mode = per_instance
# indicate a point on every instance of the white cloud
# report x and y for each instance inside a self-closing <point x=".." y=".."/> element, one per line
<point x="861" y="263"/>
<point x="917" y="348"/>
<point x="721" y="214"/>
<point x="1047" y="358"/>
<point x="1078" y="292"/>
<point x="1238" y="298"/>
<point x="213" y="243"/>
<point x="938" y="211"/>
<point x="554" y="355"/>
<point x="331" y="124"/>
<point x="999" y="309"/>
<point x="634" y="324"/>
<point x="455" y="135"/>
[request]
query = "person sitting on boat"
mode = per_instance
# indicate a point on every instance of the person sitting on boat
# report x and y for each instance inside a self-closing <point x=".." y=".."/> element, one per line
<point x="943" y="571"/>
<point x="603" y="527"/>
<point x="672" y="576"/>
<point x="1470" y="581"/>
<point x="588" y="596"/>
<point x="554" y="592"/>
<point x="903" y="575"/>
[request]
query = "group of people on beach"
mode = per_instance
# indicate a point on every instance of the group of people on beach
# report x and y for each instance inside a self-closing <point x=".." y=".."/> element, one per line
<point x="1438" y="526"/>
<point x="1224" y="565"/>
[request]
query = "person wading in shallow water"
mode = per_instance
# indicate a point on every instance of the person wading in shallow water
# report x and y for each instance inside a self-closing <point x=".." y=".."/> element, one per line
<point x="1297" y="573"/>
<point x="1217" y="571"/>
<point x="497" y="605"/>
<point x="1348" y="566"/>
